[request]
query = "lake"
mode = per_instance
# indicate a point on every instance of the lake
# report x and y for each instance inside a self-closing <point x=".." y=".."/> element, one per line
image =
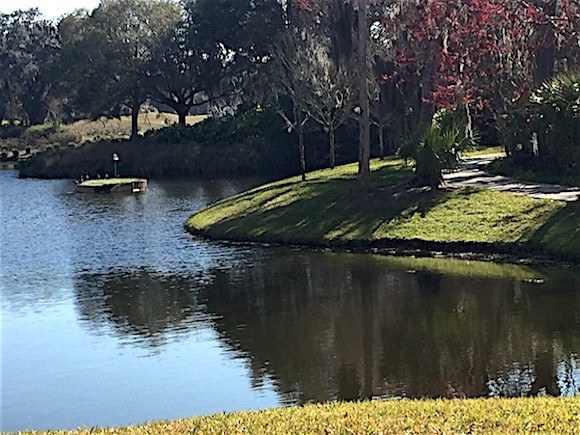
<point x="111" y="314"/>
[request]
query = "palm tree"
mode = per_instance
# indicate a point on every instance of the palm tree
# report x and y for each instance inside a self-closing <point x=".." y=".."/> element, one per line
<point x="437" y="149"/>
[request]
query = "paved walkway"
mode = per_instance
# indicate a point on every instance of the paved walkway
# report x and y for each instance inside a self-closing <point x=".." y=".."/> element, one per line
<point x="471" y="173"/>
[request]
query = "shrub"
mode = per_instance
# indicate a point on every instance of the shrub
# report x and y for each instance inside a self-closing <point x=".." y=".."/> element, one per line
<point x="64" y="137"/>
<point x="173" y="134"/>
<point x="556" y="120"/>
<point x="11" y="131"/>
<point x="437" y="148"/>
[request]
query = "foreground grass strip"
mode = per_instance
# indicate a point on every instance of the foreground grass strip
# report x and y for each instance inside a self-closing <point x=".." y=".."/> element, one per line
<point x="474" y="416"/>
<point x="326" y="210"/>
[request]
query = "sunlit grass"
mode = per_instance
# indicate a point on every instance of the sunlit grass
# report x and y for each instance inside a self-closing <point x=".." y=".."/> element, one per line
<point x="108" y="182"/>
<point x="472" y="216"/>
<point x="121" y="127"/>
<point x="483" y="150"/>
<point x="78" y="132"/>
<point x="474" y="416"/>
<point x="327" y="209"/>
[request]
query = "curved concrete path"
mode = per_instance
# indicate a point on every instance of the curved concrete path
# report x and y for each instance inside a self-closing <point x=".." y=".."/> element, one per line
<point x="471" y="173"/>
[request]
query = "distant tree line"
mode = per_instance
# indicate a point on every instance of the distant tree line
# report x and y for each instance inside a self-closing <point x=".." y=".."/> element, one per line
<point x="389" y="65"/>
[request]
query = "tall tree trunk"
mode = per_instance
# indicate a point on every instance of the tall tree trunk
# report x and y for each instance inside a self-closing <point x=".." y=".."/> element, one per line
<point x="135" y="121"/>
<point x="332" y="148"/>
<point x="381" y="139"/>
<point x="545" y="55"/>
<point x="182" y="116"/>
<point x="426" y="110"/>
<point x="301" y="149"/>
<point x="469" y="123"/>
<point x="364" y="154"/>
<point x="181" y="107"/>
<point x="302" y="153"/>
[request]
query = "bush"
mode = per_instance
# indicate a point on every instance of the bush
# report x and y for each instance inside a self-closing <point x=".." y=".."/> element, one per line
<point x="254" y="139"/>
<point x="437" y="148"/>
<point x="225" y="131"/>
<point x="64" y="137"/>
<point x="530" y="168"/>
<point x="173" y="134"/>
<point x="556" y="120"/>
<point x="253" y="142"/>
<point x="11" y="131"/>
<point x="41" y="135"/>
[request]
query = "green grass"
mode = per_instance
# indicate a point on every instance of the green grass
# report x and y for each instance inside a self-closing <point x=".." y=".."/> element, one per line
<point x="481" y="150"/>
<point x="328" y="210"/>
<point x="121" y="128"/>
<point x="562" y="233"/>
<point x="39" y="137"/>
<point x="474" y="416"/>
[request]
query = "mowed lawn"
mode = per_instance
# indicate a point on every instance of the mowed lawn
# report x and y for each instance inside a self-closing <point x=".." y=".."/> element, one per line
<point x="328" y="209"/>
<point x="473" y="416"/>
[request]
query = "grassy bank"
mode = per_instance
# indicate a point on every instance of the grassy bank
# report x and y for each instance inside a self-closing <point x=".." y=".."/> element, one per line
<point x="327" y="210"/>
<point x="42" y="136"/>
<point x="483" y="416"/>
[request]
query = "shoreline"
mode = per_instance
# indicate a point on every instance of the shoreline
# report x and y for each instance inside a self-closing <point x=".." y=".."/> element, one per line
<point x="395" y="219"/>
<point x="415" y="249"/>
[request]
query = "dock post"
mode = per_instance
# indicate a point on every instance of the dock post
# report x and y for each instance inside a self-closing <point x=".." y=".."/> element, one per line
<point x="115" y="165"/>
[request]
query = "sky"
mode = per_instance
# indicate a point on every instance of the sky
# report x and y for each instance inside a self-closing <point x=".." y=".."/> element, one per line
<point x="51" y="9"/>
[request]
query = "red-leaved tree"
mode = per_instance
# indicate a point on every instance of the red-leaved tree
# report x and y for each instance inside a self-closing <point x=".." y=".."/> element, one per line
<point x="477" y="56"/>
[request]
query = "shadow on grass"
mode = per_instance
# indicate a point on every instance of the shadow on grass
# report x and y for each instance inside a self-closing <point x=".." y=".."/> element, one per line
<point x="560" y="234"/>
<point x="328" y="210"/>
<point x="323" y="211"/>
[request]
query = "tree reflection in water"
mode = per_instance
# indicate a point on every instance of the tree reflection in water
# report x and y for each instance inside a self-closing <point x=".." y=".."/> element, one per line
<point x="325" y="326"/>
<point x="141" y="304"/>
<point x="332" y="326"/>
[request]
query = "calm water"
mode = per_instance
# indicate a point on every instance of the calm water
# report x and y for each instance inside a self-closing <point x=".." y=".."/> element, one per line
<point x="112" y="314"/>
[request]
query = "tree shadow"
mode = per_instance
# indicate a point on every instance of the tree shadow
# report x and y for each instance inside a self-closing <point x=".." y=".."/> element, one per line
<point x="561" y="232"/>
<point x="323" y="211"/>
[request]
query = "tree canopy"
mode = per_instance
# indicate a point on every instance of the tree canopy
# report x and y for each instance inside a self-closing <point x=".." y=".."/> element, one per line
<point x="27" y="46"/>
<point x="394" y="63"/>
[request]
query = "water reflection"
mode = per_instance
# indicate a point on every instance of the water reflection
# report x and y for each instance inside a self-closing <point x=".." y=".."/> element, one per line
<point x="323" y="326"/>
<point x="141" y="304"/>
<point x="64" y="234"/>
<point x="327" y="326"/>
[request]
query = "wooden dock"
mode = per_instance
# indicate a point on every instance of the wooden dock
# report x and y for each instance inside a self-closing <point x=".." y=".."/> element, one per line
<point x="113" y="185"/>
